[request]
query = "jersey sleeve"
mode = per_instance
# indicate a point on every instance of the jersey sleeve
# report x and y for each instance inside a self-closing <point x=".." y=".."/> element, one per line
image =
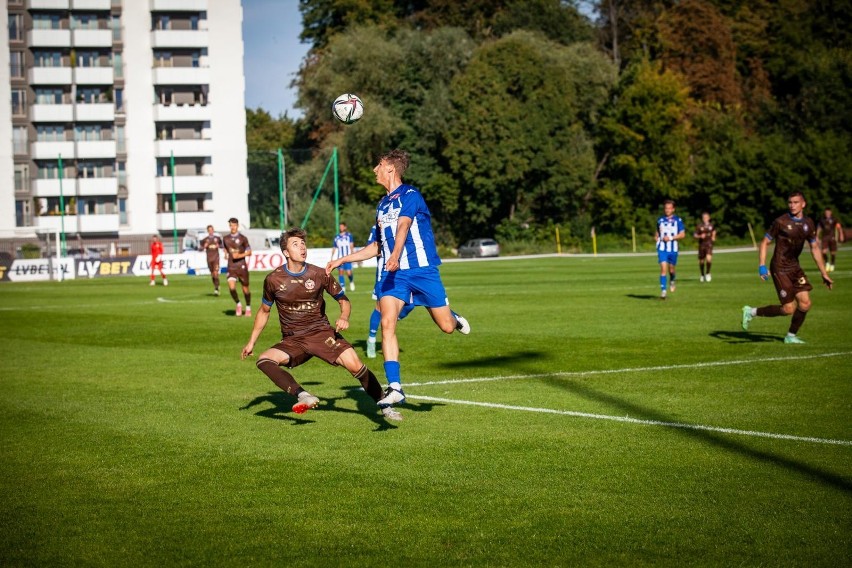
<point x="772" y="233"/>
<point x="268" y="299"/>
<point x="681" y="228"/>
<point x="412" y="204"/>
<point x="332" y="286"/>
<point x="372" y="238"/>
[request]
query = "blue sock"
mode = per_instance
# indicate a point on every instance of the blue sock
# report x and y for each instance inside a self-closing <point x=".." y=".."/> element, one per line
<point x="392" y="373"/>
<point x="406" y="309"/>
<point x="663" y="283"/>
<point x="375" y="322"/>
<point x="342" y="281"/>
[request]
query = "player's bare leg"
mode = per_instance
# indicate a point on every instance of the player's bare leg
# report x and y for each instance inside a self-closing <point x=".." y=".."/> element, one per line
<point x="449" y="321"/>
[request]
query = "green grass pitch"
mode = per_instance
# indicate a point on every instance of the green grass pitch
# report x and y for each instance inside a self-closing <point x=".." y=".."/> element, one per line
<point x="582" y="422"/>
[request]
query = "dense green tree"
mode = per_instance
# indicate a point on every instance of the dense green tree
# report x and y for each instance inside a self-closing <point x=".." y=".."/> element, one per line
<point x="405" y="89"/>
<point x="517" y="141"/>
<point x="643" y="144"/>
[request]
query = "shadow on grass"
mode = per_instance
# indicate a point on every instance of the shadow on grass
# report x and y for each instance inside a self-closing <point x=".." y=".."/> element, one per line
<point x="282" y="408"/>
<point x="632" y="409"/>
<point x="744" y="337"/>
<point x="643" y="296"/>
<point x="512" y="359"/>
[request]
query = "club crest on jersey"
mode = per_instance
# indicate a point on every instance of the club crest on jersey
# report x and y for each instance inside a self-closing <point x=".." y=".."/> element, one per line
<point x="802" y="281"/>
<point x="310" y="284"/>
<point x="805" y="226"/>
<point x="783" y="293"/>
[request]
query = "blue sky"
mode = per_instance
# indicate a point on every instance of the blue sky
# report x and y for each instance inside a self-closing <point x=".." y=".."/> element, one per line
<point x="273" y="54"/>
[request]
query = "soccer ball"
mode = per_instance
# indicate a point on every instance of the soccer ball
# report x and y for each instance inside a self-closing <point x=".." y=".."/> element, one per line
<point x="347" y="108"/>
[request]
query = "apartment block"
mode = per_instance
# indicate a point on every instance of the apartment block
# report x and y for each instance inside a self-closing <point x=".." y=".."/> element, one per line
<point x="126" y="118"/>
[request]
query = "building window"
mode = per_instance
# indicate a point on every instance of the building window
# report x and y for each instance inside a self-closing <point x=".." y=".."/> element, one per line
<point x="122" y="210"/>
<point x="161" y="22"/>
<point x="44" y="21"/>
<point x="91" y="95"/>
<point x="19" y="102"/>
<point x="23" y="213"/>
<point x="47" y="58"/>
<point x="22" y="177"/>
<point x="88" y="132"/>
<point x="88" y="59"/>
<point x="117" y="67"/>
<point x="50" y="133"/>
<point x="162" y="58"/>
<point x="49" y="169"/>
<point x="19" y="139"/>
<point x="90" y="170"/>
<point x="119" y="100"/>
<point x="16" y="64"/>
<point x="16" y="27"/>
<point x="48" y="96"/>
<point x="84" y="22"/>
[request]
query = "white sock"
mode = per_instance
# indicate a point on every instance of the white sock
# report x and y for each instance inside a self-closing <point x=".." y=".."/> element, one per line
<point x="754" y="312"/>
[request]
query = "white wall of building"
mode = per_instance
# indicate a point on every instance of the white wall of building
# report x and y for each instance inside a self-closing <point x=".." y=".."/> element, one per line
<point x="7" y="164"/>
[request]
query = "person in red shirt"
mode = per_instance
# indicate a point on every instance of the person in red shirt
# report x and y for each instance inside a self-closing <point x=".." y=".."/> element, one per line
<point x="157" y="260"/>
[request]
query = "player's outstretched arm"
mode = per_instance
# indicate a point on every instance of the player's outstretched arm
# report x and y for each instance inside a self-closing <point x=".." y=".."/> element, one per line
<point x="369" y="251"/>
<point x="259" y="323"/>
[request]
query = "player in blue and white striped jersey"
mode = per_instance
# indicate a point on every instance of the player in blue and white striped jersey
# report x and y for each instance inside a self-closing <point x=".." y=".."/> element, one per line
<point x="344" y="244"/>
<point x="670" y="229"/>
<point x="407" y="246"/>
<point x="376" y="316"/>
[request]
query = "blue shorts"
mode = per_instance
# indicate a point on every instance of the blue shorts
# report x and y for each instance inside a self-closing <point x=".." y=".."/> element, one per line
<point x="421" y="286"/>
<point x="667" y="256"/>
<point x="345" y="266"/>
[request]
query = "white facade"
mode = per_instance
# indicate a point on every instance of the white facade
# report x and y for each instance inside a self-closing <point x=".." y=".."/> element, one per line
<point x="107" y="95"/>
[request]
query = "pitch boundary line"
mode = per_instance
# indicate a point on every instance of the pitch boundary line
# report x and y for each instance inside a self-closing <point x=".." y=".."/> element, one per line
<point x="629" y="369"/>
<point x="640" y="421"/>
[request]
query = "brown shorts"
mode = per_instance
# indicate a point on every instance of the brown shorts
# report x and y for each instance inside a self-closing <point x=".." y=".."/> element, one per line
<point x="788" y="284"/>
<point x="213" y="265"/>
<point x="829" y="244"/>
<point x="704" y="250"/>
<point x="239" y="273"/>
<point x="328" y="345"/>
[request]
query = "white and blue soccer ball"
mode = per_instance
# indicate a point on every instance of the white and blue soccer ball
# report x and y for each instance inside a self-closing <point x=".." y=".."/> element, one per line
<point x="347" y="108"/>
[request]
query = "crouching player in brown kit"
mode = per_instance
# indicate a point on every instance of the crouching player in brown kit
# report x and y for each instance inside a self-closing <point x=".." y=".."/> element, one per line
<point x="789" y="231"/>
<point x="296" y="290"/>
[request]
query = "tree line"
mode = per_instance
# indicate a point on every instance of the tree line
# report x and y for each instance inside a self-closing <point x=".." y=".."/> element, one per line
<point x="522" y="115"/>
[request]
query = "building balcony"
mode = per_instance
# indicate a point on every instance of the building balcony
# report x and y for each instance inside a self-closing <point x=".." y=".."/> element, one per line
<point x="91" y="4"/>
<point x="52" y="150"/>
<point x="92" y="38"/>
<point x="166" y="221"/>
<point x="185" y="184"/>
<point x="183" y="148"/>
<point x="97" y="186"/>
<point x="81" y="187"/>
<point x="54" y="223"/>
<point x="93" y="76"/>
<point x="49" y="76"/>
<point x="50" y="187"/>
<point x="178" y="113"/>
<point x="49" y="38"/>
<point x="179" y="38"/>
<point x="96" y="112"/>
<point x="52" y="113"/>
<point x="94" y="223"/>
<point x="179" y="5"/>
<point x="48" y="4"/>
<point x="96" y="149"/>
<point x="181" y="75"/>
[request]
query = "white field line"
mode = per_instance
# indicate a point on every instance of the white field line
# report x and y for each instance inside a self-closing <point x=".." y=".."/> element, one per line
<point x="629" y="420"/>
<point x="569" y="374"/>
